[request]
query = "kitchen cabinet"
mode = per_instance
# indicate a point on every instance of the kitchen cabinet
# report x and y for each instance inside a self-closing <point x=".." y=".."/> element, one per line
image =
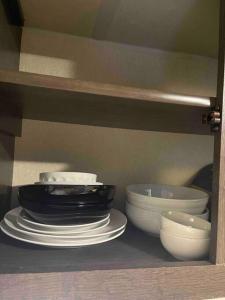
<point x="126" y="271"/>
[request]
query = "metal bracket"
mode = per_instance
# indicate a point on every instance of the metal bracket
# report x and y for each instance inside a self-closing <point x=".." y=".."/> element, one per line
<point x="214" y="119"/>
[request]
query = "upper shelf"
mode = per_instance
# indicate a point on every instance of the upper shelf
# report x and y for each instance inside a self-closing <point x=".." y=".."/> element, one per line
<point x="52" y="98"/>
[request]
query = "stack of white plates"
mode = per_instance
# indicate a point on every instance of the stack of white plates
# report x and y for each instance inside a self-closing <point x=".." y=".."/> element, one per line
<point x="146" y="202"/>
<point x="18" y="225"/>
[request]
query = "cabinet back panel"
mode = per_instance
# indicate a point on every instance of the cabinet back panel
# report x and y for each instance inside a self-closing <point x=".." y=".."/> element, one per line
<point x="118" y="156"/>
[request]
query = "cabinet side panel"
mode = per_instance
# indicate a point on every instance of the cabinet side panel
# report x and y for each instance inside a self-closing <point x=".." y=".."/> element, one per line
<point x="10" y="35"/>
<point x="6" y="171"/>
<point x="218" y="198"/>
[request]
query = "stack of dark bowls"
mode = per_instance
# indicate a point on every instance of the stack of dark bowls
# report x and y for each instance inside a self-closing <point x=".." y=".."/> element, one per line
<point x="66" y="197"/>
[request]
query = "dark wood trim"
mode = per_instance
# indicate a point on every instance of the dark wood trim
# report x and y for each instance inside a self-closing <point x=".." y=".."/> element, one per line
<point x="103" y="89"/>
<point x="13" y="12"/>
<point x="57" y="99"/>
<point x="10" y="36"/>
<point x="10" y="118"/>
<point x="191" y="282"/>
<point x="7" y="145"/>
<point x="218" y="198"/>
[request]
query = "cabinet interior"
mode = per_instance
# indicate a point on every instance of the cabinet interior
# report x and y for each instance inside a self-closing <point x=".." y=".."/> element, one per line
<point x="52" y="106"/>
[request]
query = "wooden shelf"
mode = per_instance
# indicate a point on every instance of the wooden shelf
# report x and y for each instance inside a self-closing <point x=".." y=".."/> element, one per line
<point x="134" y="249"/>
<point x="52" y="98"/>
<point x="134" y="264"/>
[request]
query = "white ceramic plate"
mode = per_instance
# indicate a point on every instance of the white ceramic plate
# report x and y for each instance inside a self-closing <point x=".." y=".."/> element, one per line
<point x="67" y="183"/>
<point x="115" y="228"/>
<point x="117" y="222"/>
<point x="19" y="237"/>
<point x="67" y="177"/>
<point x="65" y="232"/>
<point x="24" y="221"/>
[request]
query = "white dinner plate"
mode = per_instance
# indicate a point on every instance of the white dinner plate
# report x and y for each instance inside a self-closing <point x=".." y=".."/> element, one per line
<point x="8" y="232"/>
<point x="64" y="232"/>
<point x="117" y="222"/>
<point x="25" y="221"/>
<point x="115" y="228"/>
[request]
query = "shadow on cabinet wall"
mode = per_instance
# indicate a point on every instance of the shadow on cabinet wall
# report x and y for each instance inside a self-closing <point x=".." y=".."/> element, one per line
<point x="119" y="156"/>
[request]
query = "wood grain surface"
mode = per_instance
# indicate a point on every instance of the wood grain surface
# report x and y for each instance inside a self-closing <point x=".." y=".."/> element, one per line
<point x="134" y="249"/>
<point x="57" y="99"/>
<point x="104" y="89"/>
<point x="200" y="282"/>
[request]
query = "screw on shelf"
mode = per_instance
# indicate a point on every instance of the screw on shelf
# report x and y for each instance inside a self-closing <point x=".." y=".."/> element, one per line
<point x="214" y="119"/>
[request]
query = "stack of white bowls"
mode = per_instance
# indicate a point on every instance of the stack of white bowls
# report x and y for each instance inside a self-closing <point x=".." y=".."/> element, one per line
<point x="68" y="178"/>
<point x="184" y="236"/>
<point x="146" y="202"/>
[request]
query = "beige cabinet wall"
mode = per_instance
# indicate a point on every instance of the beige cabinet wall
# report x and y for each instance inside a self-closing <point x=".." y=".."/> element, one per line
<point x="65" y="55"/>
<point x="118" y="156"/>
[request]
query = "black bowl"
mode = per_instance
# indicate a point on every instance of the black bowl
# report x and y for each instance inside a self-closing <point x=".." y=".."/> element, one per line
<point x="66" y="203"/>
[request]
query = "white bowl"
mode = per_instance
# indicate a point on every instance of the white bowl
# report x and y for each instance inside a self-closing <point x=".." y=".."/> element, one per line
<point x="67" y="183"/>
<point x="167" y="196"/>
<point x="183" y="248"/>
<point x="145" y="219"/>
<point x="193" y="211"/>
<point x="204" y="215"/>
<point x="185" y="225"/>
<point x="68" y="177"/>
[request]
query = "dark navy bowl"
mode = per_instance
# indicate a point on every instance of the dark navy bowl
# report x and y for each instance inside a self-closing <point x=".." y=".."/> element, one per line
<point x="62" y="203"/>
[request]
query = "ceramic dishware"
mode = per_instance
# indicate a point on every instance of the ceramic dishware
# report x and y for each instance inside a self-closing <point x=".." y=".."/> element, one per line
<point x="28" y="223"/>
<point x="167" y="197"/>
<point x="61" y="203"/>
<point x="68" y="177"/>
<point x="115" y="228"/>
<point x="68" y="183"/>
<point x="204" y="215"/>
<point x="182" y="248"/>
<point x="147" y="220"/>
<point x="185" y="225"/>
